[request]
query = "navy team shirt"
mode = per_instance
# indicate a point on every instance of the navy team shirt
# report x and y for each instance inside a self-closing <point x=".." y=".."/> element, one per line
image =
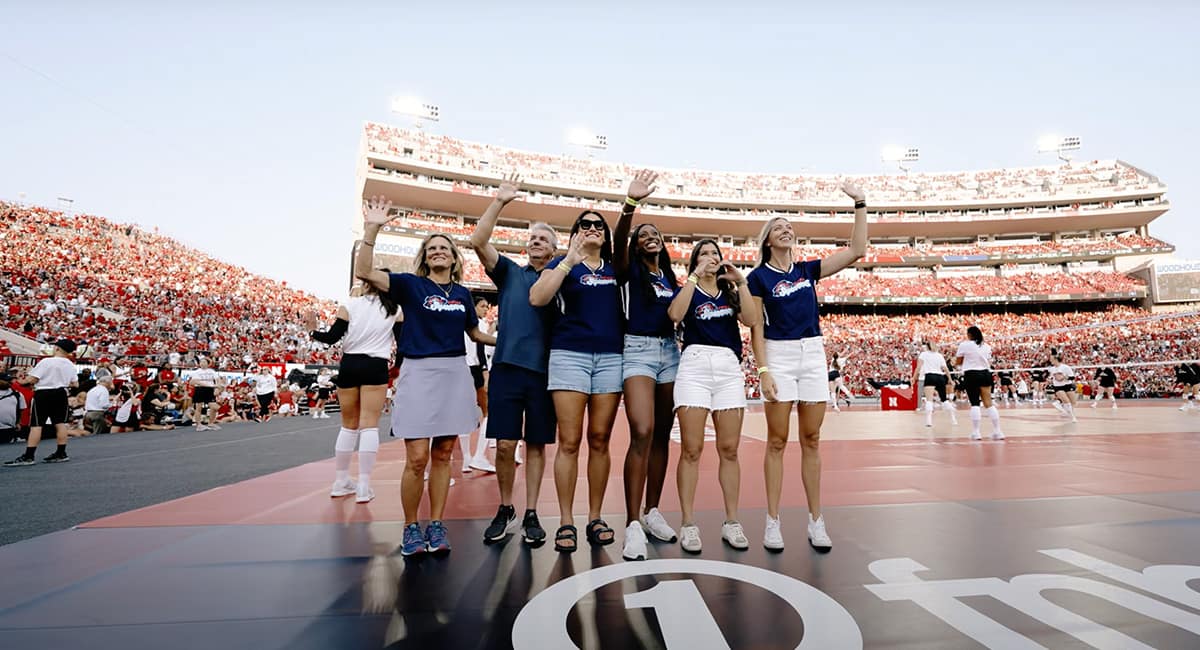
<point x="433" y="321"/>
<point x="646" y="311"/>
<point x="522" y="334"/>
<point x="789" y="299"/>
<point x="591" y="305"/>
<point x="710" y="320"/>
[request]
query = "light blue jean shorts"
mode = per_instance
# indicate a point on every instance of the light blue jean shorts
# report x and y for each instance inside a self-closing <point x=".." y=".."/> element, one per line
<point x="585" y="372"/>
<point x="650" y="356"/>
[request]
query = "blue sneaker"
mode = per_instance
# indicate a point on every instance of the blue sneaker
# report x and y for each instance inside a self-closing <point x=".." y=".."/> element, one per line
<point x="436" y="539"/>
<point x="414" y="543"/>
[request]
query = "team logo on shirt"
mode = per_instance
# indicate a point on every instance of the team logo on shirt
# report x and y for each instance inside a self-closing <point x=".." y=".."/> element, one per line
<point x="709" y="311"/>
<point x="596" y="280"/>
<point x="438" y="303"/>
<point x="787" y="287"/>
<point x="663" y="292"/>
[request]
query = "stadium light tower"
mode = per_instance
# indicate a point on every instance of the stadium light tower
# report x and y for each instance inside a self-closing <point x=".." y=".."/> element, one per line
<point x="904" y="157"/>
<point x="591" y="142"/>
<point x="1058" y="145"/>
<point x="420" y="111"/>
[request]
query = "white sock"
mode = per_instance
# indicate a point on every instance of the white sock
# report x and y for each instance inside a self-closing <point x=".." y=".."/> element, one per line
<point x="976" y="417"/>
<point x="464" y="443"/>
<point x="343" y="450"/>
<point x="1069" y="409"/>
<point x="481" y="444"/>
<point x="948" y="407"/>
<point x="367" y="451"/>
<point x="994" y="415"/>
<point x="929" y="412"/>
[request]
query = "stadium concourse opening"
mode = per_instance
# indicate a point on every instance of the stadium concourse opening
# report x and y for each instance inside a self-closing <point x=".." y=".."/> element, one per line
<point x="1075" y="526"/>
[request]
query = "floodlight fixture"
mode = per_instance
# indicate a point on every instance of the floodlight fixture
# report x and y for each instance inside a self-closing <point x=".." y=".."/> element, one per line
<point x="421" y="111"/>
<point x="1058" y="145"/>
<point x="581" y="137"/>
<point x="904" y="157"/>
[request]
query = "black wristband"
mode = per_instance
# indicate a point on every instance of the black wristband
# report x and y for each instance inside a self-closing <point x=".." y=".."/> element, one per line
<point x="858" y="205"/>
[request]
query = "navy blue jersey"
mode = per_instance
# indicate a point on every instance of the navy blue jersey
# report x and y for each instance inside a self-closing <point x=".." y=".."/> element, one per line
<point x="646" y="308"/>
<point x="710" y="320"/>
<point x="591" y="306"/>
<point x="435" y="316"/>
<point x="789" y="299"/>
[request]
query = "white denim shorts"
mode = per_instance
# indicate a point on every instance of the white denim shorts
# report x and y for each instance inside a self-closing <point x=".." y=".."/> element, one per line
<point x="799" y="369"/>
<point x="710" y="377"/>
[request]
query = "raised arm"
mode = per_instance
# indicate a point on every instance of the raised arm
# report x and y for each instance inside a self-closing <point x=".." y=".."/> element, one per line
<point x="481" y="237"/>
<point x="375" y="215"/>
<point x="640" y="187"/>
<point x="858" y="236"/>
<point x="335" y="332"/>
<point x="748" y="317"/>
<point x="678" y="308"/>
<point x="542" y="291"/>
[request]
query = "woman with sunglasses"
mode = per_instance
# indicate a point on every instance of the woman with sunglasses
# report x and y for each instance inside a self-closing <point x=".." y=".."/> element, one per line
<point x="584" y="368"/>
<point x="790" y="353"/>
<point x="711" y="381"/>
<point x="649" y="362"/>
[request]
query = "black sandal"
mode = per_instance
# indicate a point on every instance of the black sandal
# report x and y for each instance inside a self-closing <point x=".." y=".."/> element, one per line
<point x="598" y="527"/>
<point x="563" y="534"/>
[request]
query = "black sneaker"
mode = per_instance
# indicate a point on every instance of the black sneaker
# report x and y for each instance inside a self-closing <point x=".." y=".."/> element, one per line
<point x="502" y="524"/>
<point x="57" y="458"/>
<point x="534" y="534"/>
<point x="19" y="461"/>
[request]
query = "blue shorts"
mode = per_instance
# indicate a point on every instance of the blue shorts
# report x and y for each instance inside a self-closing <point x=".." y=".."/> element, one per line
<point x="585" y="372"/>
<point x="517" y="396"/>
<point x="650" y="356"/>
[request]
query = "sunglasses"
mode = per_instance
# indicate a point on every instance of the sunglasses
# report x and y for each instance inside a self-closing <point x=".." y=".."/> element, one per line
<point x="590" y="224"/>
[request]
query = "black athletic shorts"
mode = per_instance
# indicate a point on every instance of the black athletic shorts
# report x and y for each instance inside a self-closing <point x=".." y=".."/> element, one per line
<point x="1068" y="388"/>
<point x="517" y="396"/>
<point x="49" y="407"/>
<point x="974" y="381"/>
<point x="360" y="370"/>
<point x="204" y="395"/>
<point x="477" y="376"/>
<point x="937" y="382"/>
<point x="834" y="374"/>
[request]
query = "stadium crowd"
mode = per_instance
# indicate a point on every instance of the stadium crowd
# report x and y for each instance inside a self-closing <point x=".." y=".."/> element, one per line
<point x="1094" y="178"/>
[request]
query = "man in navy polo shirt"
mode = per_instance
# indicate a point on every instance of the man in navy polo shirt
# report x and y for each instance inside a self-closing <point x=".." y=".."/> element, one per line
<point x="517" y="390"/>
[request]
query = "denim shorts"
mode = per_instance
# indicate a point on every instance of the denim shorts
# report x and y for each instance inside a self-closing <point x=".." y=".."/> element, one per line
<point x="650" y="356"/>
<point x="585" y="372"/>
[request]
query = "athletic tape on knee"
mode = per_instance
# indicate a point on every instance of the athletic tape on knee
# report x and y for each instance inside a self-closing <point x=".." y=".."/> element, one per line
<point x="369" y="440"/>
<point x="347" y="440"/>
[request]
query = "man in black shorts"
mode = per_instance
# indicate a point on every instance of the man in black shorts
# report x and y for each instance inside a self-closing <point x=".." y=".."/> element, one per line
<point x="51" y="378"/>
<point x="204" y="380"/>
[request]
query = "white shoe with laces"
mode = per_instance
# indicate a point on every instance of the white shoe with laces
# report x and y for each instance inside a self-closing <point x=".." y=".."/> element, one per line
<point x="732" y="533"/>
<point x="342" y="489"/>
<point x="817" y="536"/>
<point x="773" y="536"/>
<point x="635" y="542"/>
<point x="657" y="526"/>
<point x="998" y="435"/>
<point x="689" y="539"/>
<point x="483" y="465"/>
<point x="364" y="494"/>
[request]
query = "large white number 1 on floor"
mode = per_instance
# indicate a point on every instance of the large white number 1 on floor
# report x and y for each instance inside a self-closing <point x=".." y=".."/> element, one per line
<point x="682" y="615"/>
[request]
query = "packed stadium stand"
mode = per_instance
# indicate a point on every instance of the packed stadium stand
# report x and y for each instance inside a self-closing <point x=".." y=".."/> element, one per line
<point x="1050" y="245"/>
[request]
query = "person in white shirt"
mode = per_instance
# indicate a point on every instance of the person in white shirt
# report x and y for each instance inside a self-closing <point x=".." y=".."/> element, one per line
<point x="1062" y="383"/>
<point x="477" y="362"/>
<point x="264" y="390"/>
<point x="51" y="378"/>
<point x="932" y="367"/>
<point x="974" y="358"/>
<point x="12" y="404"/>
<point x="204" y="379"/>
<point x="95" y="407"/>
<point x="324" y="387"/>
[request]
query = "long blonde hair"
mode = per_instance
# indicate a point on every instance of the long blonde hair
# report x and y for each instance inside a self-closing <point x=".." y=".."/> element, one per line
<point x="422" y="267"/>
<point x="764" y="248"/>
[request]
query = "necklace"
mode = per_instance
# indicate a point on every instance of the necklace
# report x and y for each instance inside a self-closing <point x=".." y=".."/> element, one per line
<point x="446" y="289"/>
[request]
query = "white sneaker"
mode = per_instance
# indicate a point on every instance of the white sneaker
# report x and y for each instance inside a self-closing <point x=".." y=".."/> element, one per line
<point x="1095" y="403"/>
<point x="364" y="494"/>
<point x="316" y="415"/>
<point x="732" y="533"/>
<point x="483" y="465"/>
<point x="213" y="427"/>
<point x="817" y="535"/>
<point x="201" y="427"/>
<point x="635" y="542"/>
<point x="324" y="415"/>
<point x="690" y="539"/>
<point x="997" y="435"/>
<point x="773" y="537"/>
<point x="975" y="436"/>
<point x="342" y="489"/>
<point x="657" y="526"/>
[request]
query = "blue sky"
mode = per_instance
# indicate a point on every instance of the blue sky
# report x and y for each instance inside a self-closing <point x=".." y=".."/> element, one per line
<point x="235" y="129"/>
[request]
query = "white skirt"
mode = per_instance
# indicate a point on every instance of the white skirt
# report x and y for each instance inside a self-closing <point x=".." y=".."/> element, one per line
<point x="434" y="397"/>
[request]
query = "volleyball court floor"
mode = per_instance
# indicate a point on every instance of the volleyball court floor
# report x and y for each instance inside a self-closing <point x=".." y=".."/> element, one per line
<point x="1064" y="535"/>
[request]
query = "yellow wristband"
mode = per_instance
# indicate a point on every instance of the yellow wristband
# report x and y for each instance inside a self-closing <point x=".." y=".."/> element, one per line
<point x="565" y="268"/>
<point x="629" y="200"/>
<point x="762" y="370"/>
<point x="694" y="279"/>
